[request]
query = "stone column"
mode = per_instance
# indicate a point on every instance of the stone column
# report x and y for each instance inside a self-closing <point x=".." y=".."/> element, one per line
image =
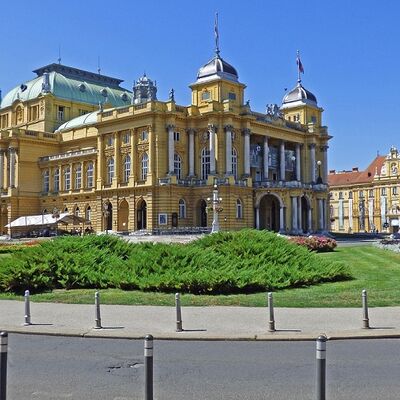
<point x="12" y="166"/>
<point x="228" y="149"/>
<point x="133" y="158"/>
<point x="282" y="170"/>
<point x="299" y="216"/>
<point x="171" y="148"/>
<point x="257" y="217"/>
<point x="282" y="219"/>
<point x="117" y="161"/>
<point x="324" y="215"/>
<point x="246" y="158"/>
<point x="312" y="162"/>
<point x="212" y="129"/>
<point x="294" y="214"/>
<point x="324" y="150"/>
<point x="265" y="159"/>
<point x="191" y="133"/>
<point x="1" y="169"/>
<point x="320" y="214"/>
<point x="298" y="162"/>
<point x="100" y="165"/>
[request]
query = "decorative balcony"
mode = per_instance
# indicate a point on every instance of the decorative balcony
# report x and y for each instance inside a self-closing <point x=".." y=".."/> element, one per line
<point x="290" y="185"/>
<point x="70" y="154"/>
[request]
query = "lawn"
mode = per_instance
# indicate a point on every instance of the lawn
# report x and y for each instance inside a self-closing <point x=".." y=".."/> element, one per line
<point x="373" y="269"/>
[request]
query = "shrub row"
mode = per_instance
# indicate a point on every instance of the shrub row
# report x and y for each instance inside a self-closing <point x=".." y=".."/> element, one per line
<point x="315" y="243"/>
<point x="226" y="262"/>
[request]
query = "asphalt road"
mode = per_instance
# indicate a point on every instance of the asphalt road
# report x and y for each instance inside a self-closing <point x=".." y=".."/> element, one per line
<point x="44" y="367"/>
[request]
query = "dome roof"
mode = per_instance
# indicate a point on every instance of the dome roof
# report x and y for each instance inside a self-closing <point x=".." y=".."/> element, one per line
<point x="299" y="94"/>
<point x="217" y="68"/>
<point x="76" y="86"/>
<point x="82" y="120"/>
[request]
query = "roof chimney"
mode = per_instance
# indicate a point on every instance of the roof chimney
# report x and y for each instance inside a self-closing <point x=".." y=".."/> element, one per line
<point x="355" y="169"/>
<point x="332" y="171"/>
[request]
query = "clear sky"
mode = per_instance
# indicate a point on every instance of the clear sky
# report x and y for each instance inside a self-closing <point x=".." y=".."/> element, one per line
<point x="349" y="50"/>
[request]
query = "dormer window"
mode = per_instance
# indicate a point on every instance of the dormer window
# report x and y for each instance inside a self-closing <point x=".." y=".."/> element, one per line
<point x="124" y="97"/>
<point x="82" y="87"/>
<point x="104" y="92"/>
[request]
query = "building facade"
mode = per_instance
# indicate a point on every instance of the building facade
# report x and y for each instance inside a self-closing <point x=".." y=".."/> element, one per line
<point x="77" y="142"/>
<point x="367" y="201"/>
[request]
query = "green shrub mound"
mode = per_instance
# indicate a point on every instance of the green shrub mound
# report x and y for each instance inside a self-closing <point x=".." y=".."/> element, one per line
<point x="225" y="262"/>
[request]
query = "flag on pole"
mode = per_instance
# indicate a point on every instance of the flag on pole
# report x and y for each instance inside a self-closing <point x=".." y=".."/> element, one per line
<point x="216" y="33"/>
<point x="299" y="64"/>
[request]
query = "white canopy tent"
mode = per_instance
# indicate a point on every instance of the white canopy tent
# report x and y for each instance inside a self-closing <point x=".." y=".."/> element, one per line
<point x="45" y="219"/>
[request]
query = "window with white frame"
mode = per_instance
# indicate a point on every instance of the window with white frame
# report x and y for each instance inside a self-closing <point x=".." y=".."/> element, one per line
<point x="205" y="163"/>
<point x="234" y="163"/>
<point x="177" y="166"/>
<point x="110" y="170"/>
<point x="46" y="181"/>
<point x="88" y="213"/>
<point x="56" y="184"/>
<point x="126" y="138"/>
<point x="239" y="209"/>
<point x="144" y="166"/>
<point x="89" y="175"/>
<point x="383" y="191"/>
<point x="78" y="176"/>
<point x="110" y="140"/>
<point x="182" y="208"/>
<point x="67" y="178"/>
<point x="60" y="113"/>
<point x="127" y="168"/>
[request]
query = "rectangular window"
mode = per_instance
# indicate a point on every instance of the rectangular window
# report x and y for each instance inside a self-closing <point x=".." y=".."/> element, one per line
<point x="176" y="136"/>
<point x="384" y="191"/>
<point x="144" y="136"/>
<point x="4" y="121"/>
<point x="126" y="138"/>
<point x="371" y="193"/>
<point x="60" y="113"/>
<point x="78" y="177"/>
<point x="232" y="96"/>
<point x="56" y="180"/>
<point x="205" y="96"/>
<point x="361" y="194"/>
<point x="314" y="119"/>
<point x="110" y="140"/>
<point x="340" y="195"/>
<point x="33" y="113"/>
<point x="90" y="175"/>
<point x="394" y="190"/>
<point x="83" y="112"/>
<point x="67" y="179"/>
<point x="350" y="195"/>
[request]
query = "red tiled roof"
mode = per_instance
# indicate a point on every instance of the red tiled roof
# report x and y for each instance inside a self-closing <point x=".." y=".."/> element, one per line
<point x="355" y="177"/>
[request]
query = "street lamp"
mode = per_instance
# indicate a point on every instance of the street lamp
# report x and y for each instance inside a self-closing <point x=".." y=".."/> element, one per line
<point x="215" y="204"/>
<point x="319" y="179"/>
<point x="293" y="158"/>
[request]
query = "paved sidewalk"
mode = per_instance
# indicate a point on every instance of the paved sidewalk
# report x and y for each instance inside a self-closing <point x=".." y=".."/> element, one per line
<point x="199" y="323"/>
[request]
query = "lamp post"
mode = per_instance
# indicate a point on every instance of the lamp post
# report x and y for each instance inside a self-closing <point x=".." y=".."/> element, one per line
<point x="319" y="179"/>
<point x="215" y="203"/>
<point x="293" y="158"/>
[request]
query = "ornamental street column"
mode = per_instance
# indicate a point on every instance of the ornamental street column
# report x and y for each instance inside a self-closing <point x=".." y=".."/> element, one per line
<point x="191" y="133"/>
<point x="324" y="150"/>
<point x="299" y="215"/>
<point x="1" y="168"/>
<point x="212" y="129"/>
<point x="282" y="171"/>
<point x="282" y="219"/>
<point x="12" y="166"/>
<point x="246" y="158"/>
<point x="228" y="149"/>
<point x="320" y="215"/>
<point x="312" y="162"/>
<point x="294" y="214"/>
<point x="265" y="159"/>
<point x="171" y="150"/>
<point x="298" y="162"/>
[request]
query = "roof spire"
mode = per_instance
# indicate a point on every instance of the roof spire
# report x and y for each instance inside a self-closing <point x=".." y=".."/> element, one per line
<point x="59" y="54"/>
<point x="98" y="65"/>
<point x="300" y="69"/>
<point x="216" y="33"/>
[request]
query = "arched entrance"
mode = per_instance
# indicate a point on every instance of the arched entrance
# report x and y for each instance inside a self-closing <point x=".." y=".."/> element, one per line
<point x="305" y="207"/>
<point x="269" y="213"/>
<point x="109" y="217"/>
<point x="202" y="213"/>
<point x="123" y="215"/>
<point x="141" y="215"/>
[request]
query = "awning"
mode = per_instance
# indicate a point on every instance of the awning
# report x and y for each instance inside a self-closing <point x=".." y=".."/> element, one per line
<point x="45" y="219"/>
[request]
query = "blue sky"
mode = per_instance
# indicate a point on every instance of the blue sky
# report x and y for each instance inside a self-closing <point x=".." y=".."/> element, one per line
<point x="350" y="53"/>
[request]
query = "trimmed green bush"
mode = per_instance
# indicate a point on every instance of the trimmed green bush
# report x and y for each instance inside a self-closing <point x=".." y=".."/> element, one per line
<point x="226" y="262"/>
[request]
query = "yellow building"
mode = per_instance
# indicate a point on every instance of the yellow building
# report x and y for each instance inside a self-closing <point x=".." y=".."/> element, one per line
<point x="367" y="201"/>
<point x="78" y="142"/>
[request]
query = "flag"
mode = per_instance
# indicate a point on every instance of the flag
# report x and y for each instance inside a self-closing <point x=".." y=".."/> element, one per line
<point x="299" y="64"/>
<point x="216" y="33"/>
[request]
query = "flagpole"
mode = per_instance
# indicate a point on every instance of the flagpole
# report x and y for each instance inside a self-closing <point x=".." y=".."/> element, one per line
<point x="216" y="34"/>
<point x="298" y="67"/>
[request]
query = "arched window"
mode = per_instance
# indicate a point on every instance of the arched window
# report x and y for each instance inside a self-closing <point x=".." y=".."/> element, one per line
<point x="46" y="181"/>
<point x="77" y="211"/>
<point x="67" y="178"/>
<point x="145" y="164"/>
<point x="177" y="166"/>
<point x="88" y="213"/>
<point x="89" y="175"/>
<point x="239" y="209"/>
<point x="127" y="168"/>
<point x="78" y="176"/>
<point x="110" y="170"/>
<point x="182" y="208"/>
<point x="234" y="163"/>
<point x="56" y="180"/>
<point x="205" y="163"/>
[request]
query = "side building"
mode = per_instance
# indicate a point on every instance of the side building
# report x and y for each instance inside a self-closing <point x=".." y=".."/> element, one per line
<point x="77" y="142"/>
<point x="369" y="200"/>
